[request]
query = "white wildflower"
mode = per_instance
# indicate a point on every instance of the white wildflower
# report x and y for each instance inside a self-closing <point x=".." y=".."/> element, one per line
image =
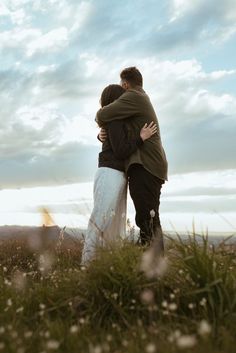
<point x="97" y="349"/>
<point x="152" y="213"/>
<point x="150" y="348"/>
<point x="203" y="302"/>
<point x="28" y="334"/>
<point x="152" y="264"/>
<point x="164" y="304"/>
<point x="172" y="306"/>
<point x="53" y="344"/>
<point x="7" y="282"/>
<point x="20" y="309"/>
<point x="147" y="296"/>
<point x="186" y="341"/>
<point x="9" y="302"/>
<point x="114" y="295"/>
<point x="46" y="261"/>
<point x="74" y="329"/>
<point x="47" y="334"/>
<point x="125" y="343"/>
<point x="19" y="281"/>
<point x="204" y="328"/>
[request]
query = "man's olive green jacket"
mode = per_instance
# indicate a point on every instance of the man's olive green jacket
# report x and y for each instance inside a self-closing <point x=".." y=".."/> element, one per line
<point x="135" y="106"/>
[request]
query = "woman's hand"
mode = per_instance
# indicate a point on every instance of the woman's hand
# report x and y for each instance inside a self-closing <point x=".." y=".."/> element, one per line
<point x="102" y="136"/>
<point x="148" y="130"/>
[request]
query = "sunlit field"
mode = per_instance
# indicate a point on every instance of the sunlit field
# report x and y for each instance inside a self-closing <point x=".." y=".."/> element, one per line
<point x="126" y="300"/>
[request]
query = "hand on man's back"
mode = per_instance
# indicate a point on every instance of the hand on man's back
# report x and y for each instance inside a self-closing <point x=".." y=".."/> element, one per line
<point x="102" y="136"/>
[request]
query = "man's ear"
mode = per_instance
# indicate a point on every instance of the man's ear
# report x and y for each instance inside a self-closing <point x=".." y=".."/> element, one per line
<point x="125" y="85"/>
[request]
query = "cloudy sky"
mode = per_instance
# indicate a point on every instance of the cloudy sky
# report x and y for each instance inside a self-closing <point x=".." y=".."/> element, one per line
<point x="56" y="56"/>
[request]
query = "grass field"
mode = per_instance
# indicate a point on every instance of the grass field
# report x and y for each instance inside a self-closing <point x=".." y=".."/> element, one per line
<point x="127" y="300"/>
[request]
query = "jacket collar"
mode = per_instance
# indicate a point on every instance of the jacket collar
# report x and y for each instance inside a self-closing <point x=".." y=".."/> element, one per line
<point x="137" y="89"/>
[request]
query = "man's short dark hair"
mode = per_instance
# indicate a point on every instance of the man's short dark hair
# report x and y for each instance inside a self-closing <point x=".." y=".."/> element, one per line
<point x="132" y="75"/>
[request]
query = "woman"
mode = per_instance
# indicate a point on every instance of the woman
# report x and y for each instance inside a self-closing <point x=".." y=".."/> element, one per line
<point x="108" y="219"/>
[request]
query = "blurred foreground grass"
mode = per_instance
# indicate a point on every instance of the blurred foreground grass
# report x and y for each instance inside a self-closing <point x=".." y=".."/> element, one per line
<point x="125" y="301"/>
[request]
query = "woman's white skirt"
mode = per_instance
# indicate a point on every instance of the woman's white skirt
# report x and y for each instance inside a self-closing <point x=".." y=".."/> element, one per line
<point x="108" y="219"/>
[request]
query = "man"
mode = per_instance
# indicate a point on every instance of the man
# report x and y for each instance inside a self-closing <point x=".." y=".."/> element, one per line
<point x="147" y="167"/>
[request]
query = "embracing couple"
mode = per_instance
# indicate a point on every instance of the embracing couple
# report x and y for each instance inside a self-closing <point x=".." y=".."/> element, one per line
<point x="131" y="152"/>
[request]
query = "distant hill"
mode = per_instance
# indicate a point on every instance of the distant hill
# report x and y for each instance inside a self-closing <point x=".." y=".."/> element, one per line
<point x="38" y="237"/>
<point x="13" y="231"/>
<point x="51" y="234"/>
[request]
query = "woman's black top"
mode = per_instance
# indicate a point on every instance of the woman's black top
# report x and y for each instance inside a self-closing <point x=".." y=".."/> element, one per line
<point x="118" y="146"/>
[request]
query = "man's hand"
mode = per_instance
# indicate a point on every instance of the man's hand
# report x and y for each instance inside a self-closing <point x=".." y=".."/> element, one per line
<point x="148" y="130"/>
<point x="102" y="136"/>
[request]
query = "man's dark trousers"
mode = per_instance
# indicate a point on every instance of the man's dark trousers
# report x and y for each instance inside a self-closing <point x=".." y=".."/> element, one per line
<point x="145" y="191"/>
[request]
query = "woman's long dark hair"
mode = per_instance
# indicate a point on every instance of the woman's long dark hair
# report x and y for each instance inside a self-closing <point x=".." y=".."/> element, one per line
<point x="110" y="94"/>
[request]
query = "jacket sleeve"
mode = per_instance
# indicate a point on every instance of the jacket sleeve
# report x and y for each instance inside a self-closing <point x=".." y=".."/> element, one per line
<point x="122" y="146"/>
<point x="122" y="108"/>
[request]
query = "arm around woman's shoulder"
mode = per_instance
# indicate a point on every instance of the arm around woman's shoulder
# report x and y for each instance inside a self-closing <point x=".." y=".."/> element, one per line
<point x="122" y="108"/>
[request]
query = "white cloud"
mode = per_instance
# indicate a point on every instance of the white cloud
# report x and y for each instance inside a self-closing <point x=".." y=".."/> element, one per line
<point x="49" y="42"/>
<point x="4" y="10"/>
<point x="77" y="15"/>
<point x="46" y="68"/>
<point x="224" y="34"/>
<point x="188" y="71"/>
<point x="217" y="16"/>
<point x="17" y="37"/>
<point x="80" y="128"/>
<point x="15" y="4"/>
<point x="204" y="103"/>
<point x="16" y="15"/>
<point x="183" y="90"/>
<point x="180" y="7"/>
<point x="39" y="118"/>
